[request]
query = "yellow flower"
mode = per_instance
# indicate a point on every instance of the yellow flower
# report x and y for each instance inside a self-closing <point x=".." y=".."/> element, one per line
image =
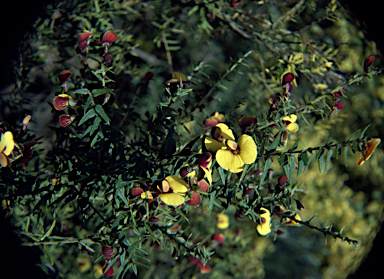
<point x="220" y="133"/>
<point x="215" y="119"/>
<point x="368" y="150"/>
<point x="98" y="271"/>
<point x="6" y="147"/>
<point x="265" y="227"/>
<point x="290" y="123"/>
<point x="173" y="190"/>
<point x="235" y="156"/>
<point x="146" y="195"/>
<point x="292" y="223"/>
<point x="222" y="221"/>
<point x="84" y="264"/>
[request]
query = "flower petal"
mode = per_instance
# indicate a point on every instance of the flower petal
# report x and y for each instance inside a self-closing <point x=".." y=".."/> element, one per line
<point x="290" y="118"/>
<point x="172" y="199"/>
<point x="292" y="127"/>
<point x="248" y="149"/>
<point x="177" y="184"/>
<point x="226" y="133"/>
<point x="4" y="161"/>
<point x="368" y="150"/>
<point x="229" y="161"/>
<point x="6" y="143"/>
<point x="213" y="145"/>
<point x="208" y="175"/>
<point x="222" y="221"/>
<point x="195" y="199"/>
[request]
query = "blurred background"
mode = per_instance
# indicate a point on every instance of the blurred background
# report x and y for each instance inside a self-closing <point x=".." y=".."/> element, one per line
<point x="346" y="196"/>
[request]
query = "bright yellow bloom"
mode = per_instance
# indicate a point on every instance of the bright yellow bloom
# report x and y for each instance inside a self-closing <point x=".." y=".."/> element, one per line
<point x="368" y="150"/>
<point x="146" y="195"/>
<point x="6" y="147"/>
<point x="173" y="191"/>
<point x="292" y="223"/>
<point x="220" y="133"/>
<point x="222" y="221"/>
<point x="84" y="264"/>
<point x="235" y="156"/>
<point x="290" y="123"/>
<point x="265" y="227"/>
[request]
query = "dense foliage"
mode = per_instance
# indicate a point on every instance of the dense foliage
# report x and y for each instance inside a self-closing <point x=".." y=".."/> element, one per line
<point x="185" y="133"/>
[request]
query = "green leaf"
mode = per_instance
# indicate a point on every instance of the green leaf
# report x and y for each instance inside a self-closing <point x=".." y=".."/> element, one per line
<point x="187" y="149"/>
<point x="329" y="156"/>
<point x="275" y="143"/>
<point x="292" y="161"/>
<point x="95" y="125"/>
<point x="101" y="91"/>
<point x="168" y="148"/>
<point x="293" y="148"/>
<point x="97" y="136"/>
<point x="86" y="132"/>
<point x="83" y="91"/>
<point x="265" y="171"/>
<point x="211" y="201"/>
<point x="346" y="155"/>
<point x="49" y="231"/>
<point x="222" y="174"/>
<point x="178" y="210"/>
<point x="366" y="128"/>
<point x="91" y="113"/>
<point x="321" y="162"/>
<point x="88" y="103"/>
<point x="300" y="167"/>
<point x="148" y="228"/>
<point x="100" y="111"/>
<point x="120" y="194"/>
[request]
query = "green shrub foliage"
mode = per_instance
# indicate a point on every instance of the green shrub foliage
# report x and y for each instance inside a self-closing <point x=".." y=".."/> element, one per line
<point x="156" y="125"/>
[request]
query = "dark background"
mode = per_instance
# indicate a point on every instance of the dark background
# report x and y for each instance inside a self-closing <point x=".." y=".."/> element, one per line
<point x="17" y="19"/>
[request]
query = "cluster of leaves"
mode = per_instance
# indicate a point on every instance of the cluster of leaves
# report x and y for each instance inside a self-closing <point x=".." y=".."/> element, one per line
<point x="115" y="141"/>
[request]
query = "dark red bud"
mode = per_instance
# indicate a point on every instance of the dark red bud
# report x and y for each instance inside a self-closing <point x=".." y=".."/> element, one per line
<point x="60" y="103"/>
<point x="299" y="205"/>
<point x="234" y="3"/>
<point x="195" y="199"/>
<point x="219" y="237"/>
<point x="66" y="119"/>
<point x="148" y="76"/>
<point x="246" y="121"/>
<point x="136" y="191"/>
<point x="279" y="232"/>
<point x="203" y="185"/>
<point x="368" y="62"/>
<point x="83" y="45"/>
<point x="84" y="36"/>
<point x="107" y="252"/>
<point x="339" y="105"/>
<point x="288" y="78"/>
<point x="107" y="58"/>
<point x="64" y="76"/>
<point x="283" y="180"/>
<point x="108" y="37"/>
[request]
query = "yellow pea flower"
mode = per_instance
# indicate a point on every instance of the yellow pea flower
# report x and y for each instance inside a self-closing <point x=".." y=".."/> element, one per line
<point x="6" y="147"/>
<point x="265" y="227"/>
<point x="220" y="133"/>
<point x="368" y="150"/>
<point x="222" y="221"/>
<point x="173" y="191"/>
<point x="290" y="123"/>
<point x="235" y="156"/>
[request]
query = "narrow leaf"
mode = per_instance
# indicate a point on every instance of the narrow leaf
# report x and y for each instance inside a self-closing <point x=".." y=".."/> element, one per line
<point x="100" y="111"/>
<point x="91" y="113"/>
<point x="329" y="156"/>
